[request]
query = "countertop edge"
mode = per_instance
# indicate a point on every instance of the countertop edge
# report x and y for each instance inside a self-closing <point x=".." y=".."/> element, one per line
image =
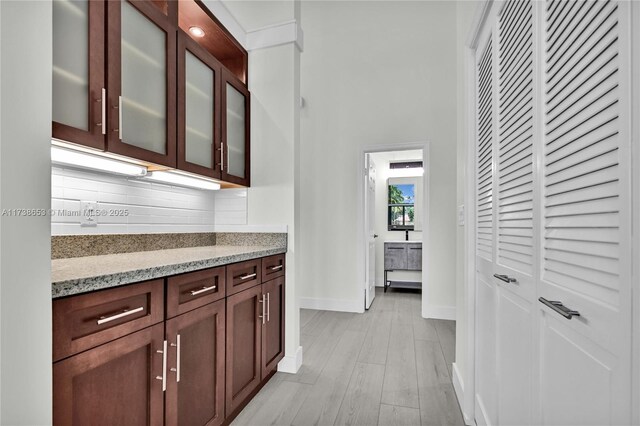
<point x="102" y="282"/>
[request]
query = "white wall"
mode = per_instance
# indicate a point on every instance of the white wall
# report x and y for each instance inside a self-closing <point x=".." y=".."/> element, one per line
<point x="25" y="176"/>
<point x="274" y="82"/>
<point x="382" y="160"/>
<point x="372" y="73"/>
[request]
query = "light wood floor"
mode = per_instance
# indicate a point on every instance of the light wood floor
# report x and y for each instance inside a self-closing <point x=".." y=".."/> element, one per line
<point x="388" y="366"/>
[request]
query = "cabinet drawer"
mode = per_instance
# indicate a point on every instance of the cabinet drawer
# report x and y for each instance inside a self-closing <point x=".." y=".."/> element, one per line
<point x="194" y="289"/>
<point x="243" y="275"/>
<point x="86" y="321"/>
<point x="272" y="267"/>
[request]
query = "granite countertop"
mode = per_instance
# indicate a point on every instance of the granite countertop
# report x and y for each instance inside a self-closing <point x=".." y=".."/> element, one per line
<point x="83" y="274"/>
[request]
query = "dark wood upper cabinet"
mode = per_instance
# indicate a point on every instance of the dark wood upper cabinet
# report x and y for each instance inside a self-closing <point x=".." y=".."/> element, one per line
<point x="78" y="72"/>
<point x="130" y="77"/>
<point x="113" y="384"/>
<point x="235" y="107"/>
<point x="141" y="73"/>
<point x="198" y="108"/>
<point x="196" y="367"/>
<point x="273" y="326"/>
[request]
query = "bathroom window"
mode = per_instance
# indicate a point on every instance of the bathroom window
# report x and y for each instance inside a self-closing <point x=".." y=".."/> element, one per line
<point x="401" y="213"/>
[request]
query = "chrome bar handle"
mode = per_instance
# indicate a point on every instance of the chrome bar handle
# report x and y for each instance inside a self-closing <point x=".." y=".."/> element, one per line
<point x="263" y="316"/>
<point x="559" y="308"/>
<point x="246" y="277"/>
<point x="505" y="278"/>
<point x="276" y="268"/>
<point x="221" y="156"/>
<point x="164" y="366"/>
<point x="202" y="290"/>
<point x="124" y="313"/>
<point x="177" y="368"/>
<point x="103" y="121"/>
<point x="120" y="117"/>
<point x="268" y="306"/>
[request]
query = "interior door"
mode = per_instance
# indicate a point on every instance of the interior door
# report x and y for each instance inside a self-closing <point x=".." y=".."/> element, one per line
<point x="486" y="406"/>
<point x="584" y="358"/>
<point x="370" y="223"/>
<point x="516" y="231"/>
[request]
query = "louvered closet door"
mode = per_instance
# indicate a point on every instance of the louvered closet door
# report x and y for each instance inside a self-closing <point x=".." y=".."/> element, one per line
<point x="515" y="259"/>
<point x="585" y="361"/>
<point x="486" y="301"/>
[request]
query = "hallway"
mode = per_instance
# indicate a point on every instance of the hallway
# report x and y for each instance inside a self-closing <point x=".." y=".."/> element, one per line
<point x="387" y="366"/>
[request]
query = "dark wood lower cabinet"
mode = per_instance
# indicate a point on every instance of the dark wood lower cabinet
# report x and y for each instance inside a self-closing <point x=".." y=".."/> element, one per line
<point x="113" y="384"/>
<point x="244" y="329"/>
<point x="195" y="367"/>
<point x="273" y="327"/>
<point x="196" y="357"/>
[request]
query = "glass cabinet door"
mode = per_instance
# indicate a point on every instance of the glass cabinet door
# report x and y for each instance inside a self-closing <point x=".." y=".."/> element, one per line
<point x="198" y="109"/>
<point x="235" y="130"/>
<point x="78" y="72"/>
<point x="141" y="49"/>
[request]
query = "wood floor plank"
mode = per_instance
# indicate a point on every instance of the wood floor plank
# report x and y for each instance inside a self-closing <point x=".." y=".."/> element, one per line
<point x="389" y="351"/>
<point x="376" y="343"/>
<point x="362" y="399"/>
<point x="274" y="405"/>
<point x="439" y="406"/>
<point x="325" y="396"/>
<point x="307" y="315"/>
<point x="431" y="366"/>
<point x="391" y="415"/>
<point x="403" y="311"/>
<point x="317" y="354"/>
<point x="400" y="384"/>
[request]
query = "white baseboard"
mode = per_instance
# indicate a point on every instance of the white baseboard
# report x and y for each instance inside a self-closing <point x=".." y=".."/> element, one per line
<point x="482" y="413"/>
<point x="458" y="387"/>
<point x="340" y="305"/>
<point x="291" y="364"/>
<point x="439" y="312"/>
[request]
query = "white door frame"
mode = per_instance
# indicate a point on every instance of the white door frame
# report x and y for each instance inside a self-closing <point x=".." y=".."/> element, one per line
<point x="465" y="385"/>
<point x="362" y="232"/>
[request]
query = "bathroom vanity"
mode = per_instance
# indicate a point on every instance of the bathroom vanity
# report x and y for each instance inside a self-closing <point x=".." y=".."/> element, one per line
<point x="402" y="256"/>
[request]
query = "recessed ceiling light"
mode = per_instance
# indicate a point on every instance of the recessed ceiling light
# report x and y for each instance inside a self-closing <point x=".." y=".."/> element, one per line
<point x="196" y="31"/>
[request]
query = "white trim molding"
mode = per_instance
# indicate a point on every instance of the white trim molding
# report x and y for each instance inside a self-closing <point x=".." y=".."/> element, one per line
<point x="340" y="305"/>
<point x="458" y="387"/>
<point x="439" y="312"/>
<point x="276" y="35"/>
<point x="291" y="363"/>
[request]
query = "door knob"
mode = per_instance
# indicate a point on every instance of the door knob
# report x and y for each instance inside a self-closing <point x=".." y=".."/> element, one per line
<point x="375" y="235"/>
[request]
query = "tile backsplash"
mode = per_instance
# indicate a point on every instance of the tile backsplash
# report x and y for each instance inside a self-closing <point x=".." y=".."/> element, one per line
<point x="132" y="206"/>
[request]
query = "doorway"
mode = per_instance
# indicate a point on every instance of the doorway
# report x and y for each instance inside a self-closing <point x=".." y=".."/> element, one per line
<point x="394" y="210"/>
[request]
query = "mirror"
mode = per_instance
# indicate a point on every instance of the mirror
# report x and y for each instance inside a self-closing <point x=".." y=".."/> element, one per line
<point x="404" y="204"/>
